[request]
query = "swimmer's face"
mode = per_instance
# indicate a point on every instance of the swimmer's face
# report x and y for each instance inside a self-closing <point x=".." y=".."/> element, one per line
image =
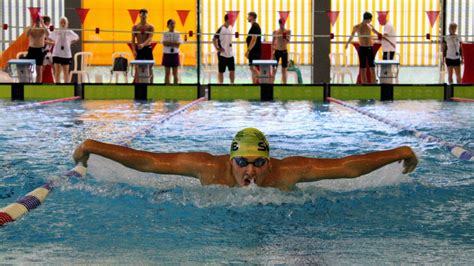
<point x="256" y="169"/>
<point x="143" y="15"/>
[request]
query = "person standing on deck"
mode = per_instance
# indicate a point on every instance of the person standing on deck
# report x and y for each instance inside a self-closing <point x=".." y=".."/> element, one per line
<point x="142" y="37"/>
<point x="254" y="45"/>
<point x="37" y="35"/>
<point x="281" y="39"/>
<point x="223" y="43"/>
<point x="364" y="32"/>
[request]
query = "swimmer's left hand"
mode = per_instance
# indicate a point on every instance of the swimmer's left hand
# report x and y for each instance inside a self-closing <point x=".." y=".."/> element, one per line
<point x="410" y="161"/>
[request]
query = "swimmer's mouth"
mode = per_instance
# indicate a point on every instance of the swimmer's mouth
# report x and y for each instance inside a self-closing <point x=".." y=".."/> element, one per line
<point x="248" y="181"/>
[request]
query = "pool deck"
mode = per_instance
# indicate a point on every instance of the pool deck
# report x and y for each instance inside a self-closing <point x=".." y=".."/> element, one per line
<point x="424" y="75"/>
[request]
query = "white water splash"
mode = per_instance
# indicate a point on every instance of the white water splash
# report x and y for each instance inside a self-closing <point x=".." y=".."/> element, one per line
<point x="110" y="172"/>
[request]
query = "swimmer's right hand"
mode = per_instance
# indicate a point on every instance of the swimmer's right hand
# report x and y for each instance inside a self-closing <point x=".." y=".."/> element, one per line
<point x="410" y="161"/>
<point x="81" y="154"/>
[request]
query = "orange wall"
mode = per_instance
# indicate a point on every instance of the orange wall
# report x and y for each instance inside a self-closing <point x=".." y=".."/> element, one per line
<point x="114" y="15"/>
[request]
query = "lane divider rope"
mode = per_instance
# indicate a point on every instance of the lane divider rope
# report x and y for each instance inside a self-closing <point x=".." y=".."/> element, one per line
<point x="457" y="150"/>
<point x="144" y="131"/>
<point x="36" y="197"/>
<point x="34" y="105"/>
<point x="456" y="99"/>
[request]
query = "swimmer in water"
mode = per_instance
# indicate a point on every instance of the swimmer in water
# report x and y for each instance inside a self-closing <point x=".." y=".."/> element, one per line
<point x="249" y="162"/>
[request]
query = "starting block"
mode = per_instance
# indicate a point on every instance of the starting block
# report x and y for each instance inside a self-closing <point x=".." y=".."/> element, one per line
<point x="387" y="71"/>
<point x="22" y="70"/>
<point x="266" y="70"/>
<point x="144" y="70"/>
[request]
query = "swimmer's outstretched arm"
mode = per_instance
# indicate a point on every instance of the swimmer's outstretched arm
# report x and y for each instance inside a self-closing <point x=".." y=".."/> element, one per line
<point x="310" y="169"/>
<point x="187" y="164"/>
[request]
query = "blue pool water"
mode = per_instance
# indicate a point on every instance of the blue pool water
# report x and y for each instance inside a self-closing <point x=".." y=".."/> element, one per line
<point x="118" y="215"/>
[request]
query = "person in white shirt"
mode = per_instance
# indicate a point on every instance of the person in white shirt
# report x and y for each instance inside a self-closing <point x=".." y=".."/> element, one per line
<point x="452" y="53"/>
<point x="388" y="43"/>
<point x="62" y="55"/>
<point x="171" y="43"/>
<point x="225" y="54"/>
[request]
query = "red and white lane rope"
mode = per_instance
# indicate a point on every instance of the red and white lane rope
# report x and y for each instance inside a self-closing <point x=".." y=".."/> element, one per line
<point x="456" y="99"/>
<point x="37" y="104"/>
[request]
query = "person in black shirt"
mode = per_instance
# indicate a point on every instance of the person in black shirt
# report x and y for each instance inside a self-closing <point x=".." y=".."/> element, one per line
<point x="254" y="44"/>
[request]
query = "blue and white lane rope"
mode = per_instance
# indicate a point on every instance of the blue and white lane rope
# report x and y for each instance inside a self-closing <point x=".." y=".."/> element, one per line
<point x="36" y="197"/>
<point x="456" y="150"/>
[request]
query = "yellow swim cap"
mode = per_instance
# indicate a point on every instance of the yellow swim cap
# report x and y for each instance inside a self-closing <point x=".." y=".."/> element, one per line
<point x="249" y="142"/>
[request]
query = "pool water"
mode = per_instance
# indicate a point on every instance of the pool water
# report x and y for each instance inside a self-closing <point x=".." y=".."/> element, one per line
<point x="117" y="215"/>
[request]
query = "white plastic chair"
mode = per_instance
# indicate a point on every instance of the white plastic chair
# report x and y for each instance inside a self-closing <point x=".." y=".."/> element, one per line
<point x="85" y="62"/>
<point x="339" y="67"/>
<point x="296" y="57"/>
<point x="116" y="74"/>
<point x="209" y="66"/>
<point x="182" y="57"/>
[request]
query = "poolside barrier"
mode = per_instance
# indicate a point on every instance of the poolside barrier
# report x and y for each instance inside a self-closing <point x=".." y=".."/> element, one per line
<point x="36" y="197"/>
<point x="454" y="149"/>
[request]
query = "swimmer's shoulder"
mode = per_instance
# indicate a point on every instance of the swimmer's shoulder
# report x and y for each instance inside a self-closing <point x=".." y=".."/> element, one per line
<point x="282" y="174"/>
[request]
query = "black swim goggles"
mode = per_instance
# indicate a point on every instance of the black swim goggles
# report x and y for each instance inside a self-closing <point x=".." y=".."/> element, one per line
<point x="242" y="162"/>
